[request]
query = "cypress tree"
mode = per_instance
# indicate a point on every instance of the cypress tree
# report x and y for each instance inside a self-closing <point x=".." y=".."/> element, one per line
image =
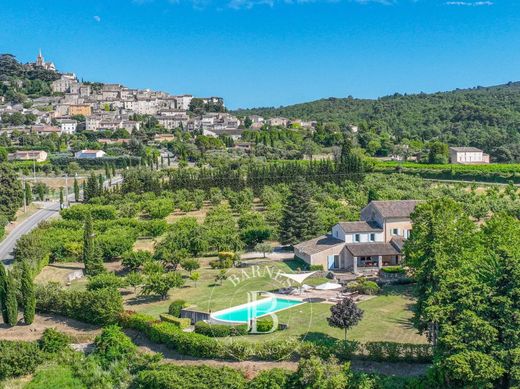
<point x="100" y="186"/>
<point x="299" y="221"/>
<point x="113" y="170"/>
<point x="10" y="301"/>
<point x="76" y="190"/>
<point x="3" y="292"/>
<point x="61" y="198"/>
<point x="28" y="296"/>
<point x="28" y="194"/>
<point x="91" y="258"/>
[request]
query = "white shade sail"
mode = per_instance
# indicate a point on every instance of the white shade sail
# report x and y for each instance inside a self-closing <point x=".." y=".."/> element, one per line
<point x="299" y="278"/>
<point x="328" y="286"/>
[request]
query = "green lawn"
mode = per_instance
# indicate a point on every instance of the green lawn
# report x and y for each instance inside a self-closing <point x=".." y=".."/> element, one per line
<point x="386" y="316"/>
<point x="207" y="295"/>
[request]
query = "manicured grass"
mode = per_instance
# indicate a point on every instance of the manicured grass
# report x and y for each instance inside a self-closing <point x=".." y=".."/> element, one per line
<point x="209" y="296"/>
<point x="55" y="377"/>
<point x="386" y="318"/>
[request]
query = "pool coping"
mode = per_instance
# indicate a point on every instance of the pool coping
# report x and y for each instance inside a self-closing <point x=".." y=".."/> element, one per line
<point x="215" y="320"/>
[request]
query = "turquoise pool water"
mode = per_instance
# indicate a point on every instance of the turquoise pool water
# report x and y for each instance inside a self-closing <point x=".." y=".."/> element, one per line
<point x="244" y="313"/>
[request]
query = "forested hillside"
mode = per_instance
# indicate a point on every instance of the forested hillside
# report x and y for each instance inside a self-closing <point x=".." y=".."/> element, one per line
<point x="488" y="118"/>
<point x="19" y="81"/>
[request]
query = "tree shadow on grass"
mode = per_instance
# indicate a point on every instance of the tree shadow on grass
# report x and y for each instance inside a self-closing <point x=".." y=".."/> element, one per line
<point x="318" y="338"/>
<point x="138" y="300"/>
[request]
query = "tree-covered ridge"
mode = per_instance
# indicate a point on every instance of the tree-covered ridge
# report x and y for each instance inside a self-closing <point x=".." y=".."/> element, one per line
<point x="19" y="81"/>
<point x="488" y="118"/>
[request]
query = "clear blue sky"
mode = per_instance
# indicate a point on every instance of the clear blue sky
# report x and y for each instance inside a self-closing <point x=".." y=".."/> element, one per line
<point x="272" y="52"/>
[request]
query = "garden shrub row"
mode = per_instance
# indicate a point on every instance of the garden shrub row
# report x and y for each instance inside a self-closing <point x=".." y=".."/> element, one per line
<point x="181" y="322"/>
<point x="190" y="377"/>
<point x="101" y="306"/>
<point x="200" y="344"/>
<point x="219" y="330"/>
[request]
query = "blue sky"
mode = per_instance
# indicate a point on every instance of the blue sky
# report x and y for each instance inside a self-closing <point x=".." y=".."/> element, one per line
<point x="272" y="52"/>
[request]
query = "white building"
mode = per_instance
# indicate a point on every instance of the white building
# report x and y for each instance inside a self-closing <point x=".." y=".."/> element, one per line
<point x="468" y="155"/>
<point x="68" y="126"/>
<point x="183" y="102"/>
<point x="89" y="154"/>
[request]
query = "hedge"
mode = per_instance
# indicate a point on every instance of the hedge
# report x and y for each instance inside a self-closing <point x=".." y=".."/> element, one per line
<point x="175" y="307"/>
<point x="18" y="358"/>
<point x="96" y="163"/>
<point x="190" y="377"/>
<point x="198" y="344"/>
<point x="177" y="321"/>
<point x="219" y="330"/>
<point x="101" y="306"/>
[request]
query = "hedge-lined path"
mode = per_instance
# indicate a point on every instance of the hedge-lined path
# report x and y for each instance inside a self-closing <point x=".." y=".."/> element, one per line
<point x="80" y="332"/>
<point x="251" y="368"/>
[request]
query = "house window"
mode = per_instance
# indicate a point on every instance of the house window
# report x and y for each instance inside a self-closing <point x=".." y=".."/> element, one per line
<point x="372" y="237"/>
<point x="357" y="238"/>
<point x="395" y="231"/>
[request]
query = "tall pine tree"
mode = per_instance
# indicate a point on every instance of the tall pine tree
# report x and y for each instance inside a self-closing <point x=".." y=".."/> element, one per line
<point x="299" y="221"/>
<point x="28" y="296"/>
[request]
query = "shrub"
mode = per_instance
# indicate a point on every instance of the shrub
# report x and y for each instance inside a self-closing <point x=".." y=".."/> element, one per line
<point x="115" y="242"/>
<point x="221" y="264"/>
<point x="177" y="321"/>
<point x="53" y="341"/>
<point x="316" y="268"/>
<point x="175" y="307"/>
<point x="219" y="330"/>
<point x="277" y="350"/>
<point x="98" y="212"/>
<point x="112" y="345"/>
<point x="393" y="270"/>
<point x="136" y="321"/>
<point x="364" y="287"/>
<point x="101" y="306"/>
<point x="132" y="260"/>
<point x="105" y="280"/>
<point x="190" y="377"/>
<point x="18" y="358"/>
<point x="271" y="379"/>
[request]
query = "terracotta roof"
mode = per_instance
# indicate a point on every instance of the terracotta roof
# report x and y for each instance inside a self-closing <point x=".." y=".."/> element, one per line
<point x="360" y="226"/>
<point x="397" y="208"/>
<point x="318" y="244"/>
<point x="370" y="249"/>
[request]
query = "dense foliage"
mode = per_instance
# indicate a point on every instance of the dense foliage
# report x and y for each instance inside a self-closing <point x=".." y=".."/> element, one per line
<point x="488" y="118"/>
<point x="468" y="293"/>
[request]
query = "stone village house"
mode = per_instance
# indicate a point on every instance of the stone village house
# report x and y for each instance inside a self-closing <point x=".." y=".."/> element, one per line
<point x="375" y="241"/>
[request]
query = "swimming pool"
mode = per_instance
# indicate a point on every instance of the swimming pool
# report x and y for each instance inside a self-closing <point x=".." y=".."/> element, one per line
<point x="245" y="312"/>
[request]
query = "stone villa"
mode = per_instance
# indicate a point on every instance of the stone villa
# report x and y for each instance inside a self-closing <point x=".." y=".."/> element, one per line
<point x="375" y="241"/>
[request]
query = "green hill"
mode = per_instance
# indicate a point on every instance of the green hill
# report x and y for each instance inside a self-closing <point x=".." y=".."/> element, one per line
<point x="19" y="81"/>
<point x="484" y="117"/>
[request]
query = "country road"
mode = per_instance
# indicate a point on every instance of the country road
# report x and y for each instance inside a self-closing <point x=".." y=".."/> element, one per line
<point x="49" y="210"/>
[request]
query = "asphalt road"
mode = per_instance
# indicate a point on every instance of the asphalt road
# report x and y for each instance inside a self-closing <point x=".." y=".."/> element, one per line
<point x="50" y="209"/>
